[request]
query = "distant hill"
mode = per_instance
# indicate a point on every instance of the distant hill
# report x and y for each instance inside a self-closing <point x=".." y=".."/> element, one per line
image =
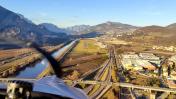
<point x="172" y="27"/>
<point x="156" y="35"/>
<point x="111" y="28"/>
<point x="77" y="29"/>
<point x="53" y="28"/>
<point x="16" y="25"/>
<point x="158" y="30"/>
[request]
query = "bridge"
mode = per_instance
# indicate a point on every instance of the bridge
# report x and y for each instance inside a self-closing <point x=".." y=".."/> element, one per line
<point x="103" y="79"/>
<point x="91" y="82"/>
<point x="119" y="84"/>
<point x="5" y="80"/>
<point x="127" y="88"/>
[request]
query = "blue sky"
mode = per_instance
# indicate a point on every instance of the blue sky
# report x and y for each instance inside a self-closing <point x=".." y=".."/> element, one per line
<point x="75" y="12"/>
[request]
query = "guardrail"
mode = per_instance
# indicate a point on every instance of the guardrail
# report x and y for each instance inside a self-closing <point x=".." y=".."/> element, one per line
<point x="20" y="79"/>
<point x="127" y="85"/>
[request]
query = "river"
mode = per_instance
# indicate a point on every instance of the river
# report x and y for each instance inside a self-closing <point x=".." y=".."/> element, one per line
<point x="34" y="70"/>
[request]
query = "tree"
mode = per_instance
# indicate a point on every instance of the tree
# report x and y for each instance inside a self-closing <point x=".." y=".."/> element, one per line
<point x="160" y="70"/>
<point x="169" y="70"/>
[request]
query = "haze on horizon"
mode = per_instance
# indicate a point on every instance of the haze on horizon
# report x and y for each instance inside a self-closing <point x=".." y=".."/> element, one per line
<point x="64" y="13"/>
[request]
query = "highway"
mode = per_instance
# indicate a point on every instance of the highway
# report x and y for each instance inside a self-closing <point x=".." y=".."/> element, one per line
<point x="104" y="74"/>
<point x="98" y="75"/>
<point x="92" y="82"/>
<point x="108" y="76"/>
<point x="99" y="90"/>
<point x="125" y="92"/>
<point x="111" y="73"/>
<point x="126" y="85"/>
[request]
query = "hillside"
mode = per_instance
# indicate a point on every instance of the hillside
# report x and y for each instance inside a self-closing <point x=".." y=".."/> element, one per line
<point x="152" y="30"/>
<point x="104" y="28"/>
<point x="172" y="27"/>
<point x="77" y="29"/>
<point x="15" y="25"/>
<point x="53" y="28"/>
<point x="156" y="35"/>
<point x="113" y="27"/>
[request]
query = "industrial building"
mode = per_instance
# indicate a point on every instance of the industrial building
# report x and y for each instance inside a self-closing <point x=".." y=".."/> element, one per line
<point x="150" y="57"/>
<point x="145" y="64"/>
<point x="138" y="62"/>
<point x="130" y="56"/>
<point x="173" y="58"/>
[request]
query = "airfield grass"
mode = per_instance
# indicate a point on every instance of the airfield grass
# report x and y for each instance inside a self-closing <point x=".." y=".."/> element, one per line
<point x="88" y="46"/>
<point x="85" y="56"/>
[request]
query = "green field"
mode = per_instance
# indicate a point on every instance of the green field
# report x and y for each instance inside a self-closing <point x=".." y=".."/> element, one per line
<point x="88" y="46"/>
<point x="85" y="56"/>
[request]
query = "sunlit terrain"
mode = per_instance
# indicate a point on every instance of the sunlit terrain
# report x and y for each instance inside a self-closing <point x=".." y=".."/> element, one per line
<point x="93" y="49"/>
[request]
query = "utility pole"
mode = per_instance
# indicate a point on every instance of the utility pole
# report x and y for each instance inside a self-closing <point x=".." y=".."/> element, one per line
<point x="170" y="67"/>
<point x="160" y="71"/>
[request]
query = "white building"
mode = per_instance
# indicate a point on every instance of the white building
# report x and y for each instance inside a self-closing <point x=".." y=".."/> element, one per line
<point x="173" y="58"/>
<point x="133" y="61"/>
<point x="150" y="57"/>
<point x="130" y="56"/>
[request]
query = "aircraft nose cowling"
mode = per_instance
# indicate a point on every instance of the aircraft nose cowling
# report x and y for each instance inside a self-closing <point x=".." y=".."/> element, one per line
<point x="56" y="86"/>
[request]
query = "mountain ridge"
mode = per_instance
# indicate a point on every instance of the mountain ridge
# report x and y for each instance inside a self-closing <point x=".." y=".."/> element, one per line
<point x="53" y="28"/>
<point x="156" y="35"/>
<point x="16" y="25"/>
<point x="107" y="27"/>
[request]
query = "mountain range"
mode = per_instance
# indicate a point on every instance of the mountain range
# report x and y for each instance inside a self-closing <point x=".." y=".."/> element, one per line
<point x="16" y="25"/>
<point x="157" y="35"/>
<point x="54" y="28"/>
<point x="104" y="28"/>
